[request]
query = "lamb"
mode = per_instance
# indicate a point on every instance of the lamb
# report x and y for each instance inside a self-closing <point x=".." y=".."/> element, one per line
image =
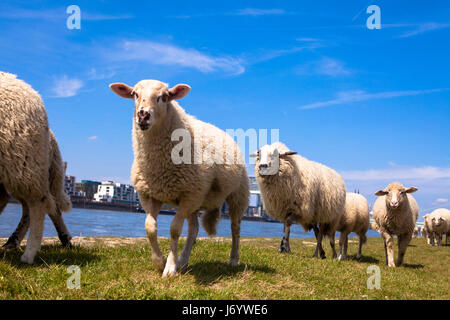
<point x="63" y="204"/>
<point x="426" y="229"/>
<point x="355" y="219"/>
<point x="295" y="189"/>
<point x="395" y="212"/>
<point x="25" y="161"/>
<point x="440" y="224"/>
<point x="161" y="175"/>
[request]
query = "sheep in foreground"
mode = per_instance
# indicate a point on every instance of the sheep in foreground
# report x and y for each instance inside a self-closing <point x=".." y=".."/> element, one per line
<point x="295" y="189"/>
<point x="440" y="224"/>
<point x="199" y="179"/>
<point x="63" y="204"/>
<point x="355" y="219"/>
<point x="395" y="212"/>
<point x="24" y="149"/>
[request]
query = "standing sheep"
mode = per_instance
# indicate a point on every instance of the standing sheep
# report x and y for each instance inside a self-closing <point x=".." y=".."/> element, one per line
<point x="440" y="224"/>
<point x="25" y="149"/>
<point x="295" y="189"/>
<point x="355" y="219"/>
<point x="426" y="229"/>
<point x="63" y="204"/>
<point x="160" y="176"/>
<point x="395" y="212"/>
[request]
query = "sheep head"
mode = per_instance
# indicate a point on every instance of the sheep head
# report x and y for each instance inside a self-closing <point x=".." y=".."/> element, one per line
<point x="395" y="194"/>
<point x="152" y="99"/>
<point x="437" y="220"/>
<point x="268" y="158"/>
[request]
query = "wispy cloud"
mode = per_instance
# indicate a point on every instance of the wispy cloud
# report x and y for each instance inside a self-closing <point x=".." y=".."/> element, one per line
<point x="325" y="66"/>
<point x="424" y="27"/>
<point x="171" y="55"/>
<point x="259" y="12"/>
<point x="359" y="95"/>
<point x="57" y="13"/>
<point x="440" y="201"/>
<point x="398" y="173"/>
<point x="65" y="87"/>
<point x="93" y="138"/>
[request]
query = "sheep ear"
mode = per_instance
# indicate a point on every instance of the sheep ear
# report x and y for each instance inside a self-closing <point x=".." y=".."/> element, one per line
<point x="411" y="190"/>
<point x="122" y="89"/>
<point x="381" y="193"/>
<point x="287" y="153"/>
<point x="254" y="154"/>
<point x="179" y="91"/>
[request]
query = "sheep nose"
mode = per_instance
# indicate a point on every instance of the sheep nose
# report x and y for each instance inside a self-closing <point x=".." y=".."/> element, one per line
<point x="263" y="166"/>
<point x="143" y="115"/>
<point x="394" y="203"/>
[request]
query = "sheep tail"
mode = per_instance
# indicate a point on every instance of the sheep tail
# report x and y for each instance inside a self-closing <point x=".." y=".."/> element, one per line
<point x="209" y="221"/>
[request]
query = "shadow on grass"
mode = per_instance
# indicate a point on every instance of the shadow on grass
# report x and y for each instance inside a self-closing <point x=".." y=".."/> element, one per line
<point x="364" y="259"/>
<point x="413" y="266"/>
<point x="52" y="255"/>
<point x="208" y="272"/>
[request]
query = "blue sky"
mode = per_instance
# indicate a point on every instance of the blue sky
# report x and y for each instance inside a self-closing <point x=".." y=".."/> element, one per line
<point x="372" y="104"/>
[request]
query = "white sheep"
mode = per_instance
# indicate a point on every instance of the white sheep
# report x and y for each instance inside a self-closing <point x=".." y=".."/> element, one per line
<point x="25" y="161"/>
<point x="355" y="219"/>
<point x="63" y="204"/>
<point x="295" y="189"/>
<point x="440" y="224"/>
<point x="395" y="212"/>
<point x="426" y="229"/>
<point x="160" y="176"/>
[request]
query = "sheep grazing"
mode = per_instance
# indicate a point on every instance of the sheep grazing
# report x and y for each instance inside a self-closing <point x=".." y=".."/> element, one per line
<point x="295" y="189"/>
<point x="395" y="213"/>
<point x="355" y="219"/>
<point x="440" y="224"/>
<point x="63" y="204"/>
<point x="200" y="179"/>
<point x="25" y="161"/>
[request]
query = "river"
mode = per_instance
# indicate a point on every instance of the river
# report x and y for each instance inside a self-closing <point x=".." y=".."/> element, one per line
<point x="84" y="222"/>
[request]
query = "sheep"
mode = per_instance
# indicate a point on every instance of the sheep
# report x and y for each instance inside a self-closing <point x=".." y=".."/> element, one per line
<point x="415" y="232"/>
<point x="426" y="229"/>
<point x="160" y="176"/>
<point x="63" y="204"/>
<point x="25" y="161"/>
<point x="355" y="219"/>
<point x="295" y="189"/>
<point x="395" y="212"/>
<point x="440" y="224"/>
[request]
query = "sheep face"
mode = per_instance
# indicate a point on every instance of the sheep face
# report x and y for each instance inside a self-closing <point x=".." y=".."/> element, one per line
<point x="396" y="194"/>
<point x="268" y="159"/>
<point x="437" y="221"/>
<point x="152" y="99"/>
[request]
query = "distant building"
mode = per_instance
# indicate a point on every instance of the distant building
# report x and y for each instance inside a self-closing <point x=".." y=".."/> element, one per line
<point x="109" y="191"/>
<point x="69" y="185"/>
<point x="88" y="187"/>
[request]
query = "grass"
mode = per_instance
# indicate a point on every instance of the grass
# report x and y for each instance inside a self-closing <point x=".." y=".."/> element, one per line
<point x="121" y="268"/>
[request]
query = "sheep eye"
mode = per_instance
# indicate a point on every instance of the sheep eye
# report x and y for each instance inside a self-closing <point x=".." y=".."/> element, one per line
<point x="162" y="97"/>
<point x="135" y="95"/>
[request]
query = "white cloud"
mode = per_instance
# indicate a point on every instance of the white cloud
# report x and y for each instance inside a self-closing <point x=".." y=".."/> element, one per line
<point x="424" y="27"/>
<point x="57" y="14"/>
<point x="65" y="87"/>
<point x="440" y="200"/>
<point x="93" y="138"/>
<point x="325" y="66"/>
<point x="259" y="12"/>
<point x="171" y="55"/>
<point x="359" y="95"/>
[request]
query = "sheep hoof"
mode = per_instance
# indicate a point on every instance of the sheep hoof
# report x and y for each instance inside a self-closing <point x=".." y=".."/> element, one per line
<point x="358" y="256"/>
<point x="285" y="250"/>
<point x="341" y="258"/>
<point x="391" y="265"/>
<point x="27" y="258"/>
<point x="233" y="262"/>
<point x="159" y="263"/>
<point x="169" y="270"/>
<point x="10" y="245"/>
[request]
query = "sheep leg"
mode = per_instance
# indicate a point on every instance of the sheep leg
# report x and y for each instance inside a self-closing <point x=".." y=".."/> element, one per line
<point x="63" y="234"/>
<point x="175" y="231"/>
<point x="389" y="248"/>
<point x="343" y="242"/>
<point x="284" y="246"/>
<point x="236" y="235"/>
<point x="3" y="198"/>
<point x="152" y="207"/>
<point x="37" y="216"/>
<point x="190" y="241"/>
<point x="403" y="242"/>
<point x="332" y="244"/>
<point x="362" y="239"/>
<point x="319" y="244"/>
<point x="15" y="239"/>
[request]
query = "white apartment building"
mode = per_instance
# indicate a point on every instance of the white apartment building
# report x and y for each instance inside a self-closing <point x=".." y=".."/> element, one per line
<point x="109" y="191"/>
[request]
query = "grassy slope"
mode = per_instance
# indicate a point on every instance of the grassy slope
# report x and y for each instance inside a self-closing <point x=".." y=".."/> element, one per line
<point x="123" y="270"/>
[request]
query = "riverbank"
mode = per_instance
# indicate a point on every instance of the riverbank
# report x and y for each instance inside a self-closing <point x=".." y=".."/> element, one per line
<point x="120" y="268"/>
